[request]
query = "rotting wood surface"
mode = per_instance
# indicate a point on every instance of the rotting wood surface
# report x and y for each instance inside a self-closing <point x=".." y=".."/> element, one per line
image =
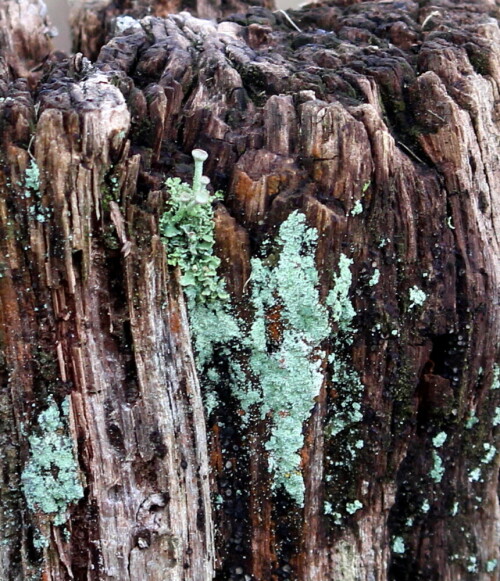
<point x="391" y="108"/>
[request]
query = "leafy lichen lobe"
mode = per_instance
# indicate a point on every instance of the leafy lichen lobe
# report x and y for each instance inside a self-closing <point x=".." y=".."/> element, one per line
<point x="50" y="478"/>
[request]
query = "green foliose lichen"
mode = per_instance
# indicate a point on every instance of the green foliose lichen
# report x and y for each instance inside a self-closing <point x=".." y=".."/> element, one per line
<point x="50" y="478"/>
<point x="286" y="361"/>
<point x="32" y="178"/>
<point x="187" y="228"/>
<point x="274" y="362"/>
<point x="417" y="297"/>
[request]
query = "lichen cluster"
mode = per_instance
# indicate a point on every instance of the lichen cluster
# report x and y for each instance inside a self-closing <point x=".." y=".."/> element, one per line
<point x="36" y="211"/>
<point x="274" y="361"/>
<point x="187" y="226"/>
<point x="287" y="364"/>
<point x="50" y="478"/>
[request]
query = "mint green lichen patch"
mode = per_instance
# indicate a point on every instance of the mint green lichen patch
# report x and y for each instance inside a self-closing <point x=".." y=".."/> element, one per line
<point x="211" y="325"/>
<point x="496" y="417"/>
<point x="439" y="440"/>
<point x="32" y="178"/>
<point x="352" y="507"/>
<point x="357" y="209"/>
<point x="288" y="373"/>
<point x="398" y="545"/>
<point x="472" y="420"/>
<point x="438" y="469"/>
<point x="417" y="297"/>
<point x="491" y="565"/>
<point x="50" y="478"/>
<point x="40" y="541"/>
<point x="374" y="280"/>
<point x="338" y="299"/>
<point x="214" y="327"/>
<point x="272" y="362"/>
<point x="490" y="453"/>
<point x="36" y="211"/>
<point x="343" y="428"/>
<point x="472" y="564"/>
<point x="475" y="475"/>
<point x="350" y="388"/>
<point x="187" y="229"/>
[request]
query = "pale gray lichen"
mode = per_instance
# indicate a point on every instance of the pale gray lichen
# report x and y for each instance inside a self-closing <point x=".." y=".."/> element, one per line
<point x="50" y="478"/>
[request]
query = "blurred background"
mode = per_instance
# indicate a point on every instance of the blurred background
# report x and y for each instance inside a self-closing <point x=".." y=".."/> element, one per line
<point x="59" y="13"/>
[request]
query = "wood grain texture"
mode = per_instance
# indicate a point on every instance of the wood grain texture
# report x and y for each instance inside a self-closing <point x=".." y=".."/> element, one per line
<point x="387" y="106"/>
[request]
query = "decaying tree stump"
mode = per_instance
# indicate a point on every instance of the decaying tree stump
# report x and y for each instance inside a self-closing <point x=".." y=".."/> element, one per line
<point x="356" y="147"/>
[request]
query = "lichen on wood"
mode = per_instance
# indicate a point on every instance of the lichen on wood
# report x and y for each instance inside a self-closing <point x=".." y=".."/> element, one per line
<point x="376" y="122"/>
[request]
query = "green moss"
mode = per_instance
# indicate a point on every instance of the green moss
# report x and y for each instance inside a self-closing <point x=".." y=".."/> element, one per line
<point x="50" y="478"/>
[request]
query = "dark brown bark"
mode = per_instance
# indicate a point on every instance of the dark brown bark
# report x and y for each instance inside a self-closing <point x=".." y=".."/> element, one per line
<point x="379" y="122"/>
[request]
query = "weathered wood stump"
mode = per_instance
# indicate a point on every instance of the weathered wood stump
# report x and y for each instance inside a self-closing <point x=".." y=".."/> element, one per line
<point x="346" y="426"/>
